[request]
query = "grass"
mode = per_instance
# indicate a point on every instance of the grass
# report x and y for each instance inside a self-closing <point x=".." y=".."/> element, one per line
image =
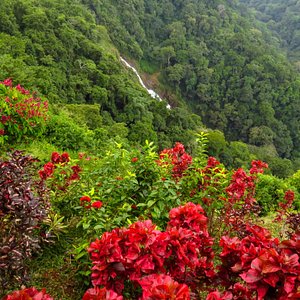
<point x="56" y="269"/>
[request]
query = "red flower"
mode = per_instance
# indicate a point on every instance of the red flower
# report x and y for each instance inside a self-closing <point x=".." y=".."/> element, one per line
<point x="101" y="294"/>
<point x="212" y="162"/>
<point x="2" y="132"/>
<point x="289" y="196"/>
<point x="74" y="176"/>
<point x="258" y="166"/>
<point x="177" y="157"/>
<point x="55" y="157"/>
<point x="28" y="294"/>
<point x="217" y="296"/>
<point x="47" y="171"/>
<point x="134" y="159"/>
<point x="97" y="204"/>
<point x="7" y="82"/>
<point x="160" y="286"/>
<point x="76" y="169"/>
<point x="85" y="199"/>
<point x="65" y="157"/>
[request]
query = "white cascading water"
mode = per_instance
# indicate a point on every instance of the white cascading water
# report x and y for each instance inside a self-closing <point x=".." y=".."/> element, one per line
<point x="150" y="92"/>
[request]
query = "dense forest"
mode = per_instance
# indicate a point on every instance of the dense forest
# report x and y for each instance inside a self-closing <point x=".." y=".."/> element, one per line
<point x="282" y="17"/>
<point x="216" y="60"/>
<point x="204" y="57"/>
<point x="108" y="193"/>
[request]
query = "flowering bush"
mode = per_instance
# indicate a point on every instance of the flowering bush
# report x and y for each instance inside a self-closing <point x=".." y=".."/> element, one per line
<point x="177" y="158"/>
<point x="29" y="294"/>
<point x="21" y="113"/>
<point x="59" y="175"/>
<point x="268" y="267"/>
<point x="160" y="286"/>
<point x="101" y="294"/>
<point x="183" y="251"/>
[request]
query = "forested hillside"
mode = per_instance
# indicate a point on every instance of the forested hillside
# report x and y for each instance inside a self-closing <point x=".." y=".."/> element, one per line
<point x="283" y="18"/>
<point x="203" y="56"/>
<point x="107" y="193"/>
<point x="217" y="61"/>
<point x="56" y="48"/>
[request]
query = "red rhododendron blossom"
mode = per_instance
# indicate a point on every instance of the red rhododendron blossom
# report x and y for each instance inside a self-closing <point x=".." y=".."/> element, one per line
<point x="97" y="204"/>
<point x="28" y="294"/>
<point x="22" y="90"/>
<point x="7" y="82"/>
<point x="2" y="132"/>
<point x="269" y="268"/>
<point x="160" y="286"/>
<point x="289" y="197"/>
<point x="189" y="216"/>
<point x="76" y="169"/>
<point x="101" y="294"/>
<point x="47" y="171"/>
<point x="183" y="251"/>
<point x="55" y="157"/>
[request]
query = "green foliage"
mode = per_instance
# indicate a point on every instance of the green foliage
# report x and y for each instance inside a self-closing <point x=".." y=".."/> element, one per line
<point x="270" y="192"/>
<point x="282" y="18"/>
<point x="63" y="132"/>
<point x="219" y="61"/>
<point x="22" y="114"/>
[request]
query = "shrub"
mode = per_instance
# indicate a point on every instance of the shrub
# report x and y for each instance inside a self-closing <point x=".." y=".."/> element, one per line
<point x="183" y="252"/>
<point x="27" y="294"/>
<point x="63" y="132"/>
<point x="23" y="208"/>
<point x="22" y="113"/>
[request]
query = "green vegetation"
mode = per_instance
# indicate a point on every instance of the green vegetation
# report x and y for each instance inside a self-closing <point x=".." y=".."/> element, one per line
<point x="97" y="154"/>
<point x="282" y="17"/>
<point x="205" y="58"/>
<point x="216" y="60"/>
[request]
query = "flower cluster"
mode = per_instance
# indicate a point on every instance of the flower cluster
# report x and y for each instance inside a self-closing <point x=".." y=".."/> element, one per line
<point x="161" y="286"/>
<point x="182" y="252"/>
<point x="177" y="157"/>
<point x="56" y="158"/>
<point x="268" y="267"/>
<point x="241" y="187"/>
<point x="289" y="197"/>
<point x="21" y="113"/>
<point x="62" y="164"/>
<point x="101" y="294"/>
<point x="28" y="294"/>
<point x="258" y="166"/>
<point x="85" y="201"/>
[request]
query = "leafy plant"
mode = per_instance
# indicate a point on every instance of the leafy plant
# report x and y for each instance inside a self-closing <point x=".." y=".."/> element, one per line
<point x="23" y="208"/>
<point x="22" y="114"/>
<point x="29" y="293"/>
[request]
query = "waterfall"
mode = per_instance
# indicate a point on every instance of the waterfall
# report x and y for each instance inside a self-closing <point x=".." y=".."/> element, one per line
<point x="152" y="93"/>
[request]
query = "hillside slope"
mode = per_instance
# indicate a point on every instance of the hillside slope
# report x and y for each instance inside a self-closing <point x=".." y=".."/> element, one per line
<point x="283" y="18"/>
<point x="56" y="48"/>
<point x="215" y="59"/>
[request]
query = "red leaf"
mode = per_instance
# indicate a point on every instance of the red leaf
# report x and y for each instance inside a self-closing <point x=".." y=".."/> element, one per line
<point x="272" y="279"/>
<point x="251" y="276"/>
